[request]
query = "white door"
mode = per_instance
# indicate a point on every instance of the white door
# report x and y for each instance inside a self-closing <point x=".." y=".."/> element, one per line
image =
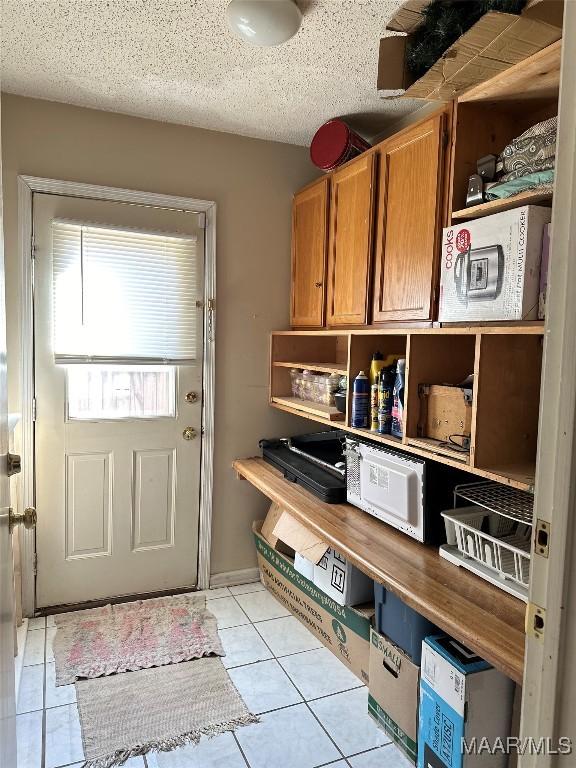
<point x="7" y="703"/>
<point x="118" y="292"/>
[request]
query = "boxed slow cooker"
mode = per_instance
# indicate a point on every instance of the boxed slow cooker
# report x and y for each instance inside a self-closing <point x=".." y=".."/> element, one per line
<point x="465" y="708"/>
<point x="491" y="266"/>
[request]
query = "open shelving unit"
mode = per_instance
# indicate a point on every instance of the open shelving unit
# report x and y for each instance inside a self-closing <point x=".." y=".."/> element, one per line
<point x="505" y="362"/>
<point x="476" y="613"/>
<point x="530" y="197"/>
<point x="488" y="116"/>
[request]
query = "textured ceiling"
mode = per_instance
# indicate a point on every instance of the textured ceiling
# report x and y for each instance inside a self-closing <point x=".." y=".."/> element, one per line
<point x="174" y="60"/>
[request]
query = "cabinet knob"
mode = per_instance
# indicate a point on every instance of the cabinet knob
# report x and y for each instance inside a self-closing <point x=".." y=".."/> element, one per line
<point x="318" y="284"/>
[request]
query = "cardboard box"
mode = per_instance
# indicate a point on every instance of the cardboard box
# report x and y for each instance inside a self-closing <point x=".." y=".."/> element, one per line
<point x="490" y="267"/>
<point x="275" y="512"/>
<point x="304" y="567"/>
<point x="544" y="264"/>
<point x="444" y="412"/>
<point x="341" y="580"/>
<point x="315" y="560"/>
<point x="461" y="697"/>
<point x="393" y="693"/>
<point x="494" y="43"/>
<point x="299" y="538"/>
<point x="345" y="631"/>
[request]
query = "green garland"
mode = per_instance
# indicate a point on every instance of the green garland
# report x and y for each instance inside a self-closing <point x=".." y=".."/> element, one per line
<point x="444" y="22"/>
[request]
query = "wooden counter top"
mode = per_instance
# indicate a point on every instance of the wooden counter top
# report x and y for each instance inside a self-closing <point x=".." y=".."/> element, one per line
<point x="483" y="617"/>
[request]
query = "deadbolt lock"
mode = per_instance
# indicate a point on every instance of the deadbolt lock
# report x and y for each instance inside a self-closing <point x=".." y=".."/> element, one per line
<point x="189" y="433"/>
<point x="14" y="464"/>
<point x="191" y="397"/>
<point x="27" y="518"/>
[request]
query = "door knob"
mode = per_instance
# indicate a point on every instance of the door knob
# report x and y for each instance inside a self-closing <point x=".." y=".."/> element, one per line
<point x="189" y="433"/>
<point x="191" y="397"/>
<point x="318" y="284"/>
<point x="27" y="518"/>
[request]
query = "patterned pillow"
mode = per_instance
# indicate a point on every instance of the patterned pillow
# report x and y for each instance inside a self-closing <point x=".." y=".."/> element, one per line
<point x="532" y="151"/>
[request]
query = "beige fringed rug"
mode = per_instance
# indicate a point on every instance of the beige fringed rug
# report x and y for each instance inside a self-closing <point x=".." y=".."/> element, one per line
<point x="132" y="636"/>
<point x="157" y="710"/>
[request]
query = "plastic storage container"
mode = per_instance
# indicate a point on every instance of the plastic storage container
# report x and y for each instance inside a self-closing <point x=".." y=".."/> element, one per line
<point x="317" y="388"/>
<point x="401" y="624"/>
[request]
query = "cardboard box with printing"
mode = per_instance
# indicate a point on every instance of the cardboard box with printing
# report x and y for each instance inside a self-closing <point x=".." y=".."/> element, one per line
<point x="393" y="693"/>
<point x="316" y="560"/>
<point x="491" y="266"/>
<point x="463" y="701"/>
<point x="344" y="630"/>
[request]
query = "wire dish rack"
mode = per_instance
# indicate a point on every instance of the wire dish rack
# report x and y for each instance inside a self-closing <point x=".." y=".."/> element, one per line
<point x="492" y="537"/>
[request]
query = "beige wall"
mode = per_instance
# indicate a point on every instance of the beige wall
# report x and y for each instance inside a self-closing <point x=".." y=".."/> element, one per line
<point x="252" y="182"/>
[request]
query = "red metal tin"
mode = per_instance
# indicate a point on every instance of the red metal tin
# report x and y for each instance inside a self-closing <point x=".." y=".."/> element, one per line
<point x="334" y="143"/>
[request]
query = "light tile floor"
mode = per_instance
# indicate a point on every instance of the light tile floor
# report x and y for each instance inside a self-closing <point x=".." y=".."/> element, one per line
<point x="312" y="709"/>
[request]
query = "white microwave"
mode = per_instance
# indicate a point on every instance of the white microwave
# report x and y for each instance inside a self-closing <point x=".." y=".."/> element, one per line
<point x="402" y="490"/>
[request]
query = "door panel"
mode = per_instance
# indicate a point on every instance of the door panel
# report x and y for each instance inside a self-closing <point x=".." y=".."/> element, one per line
<point x="309" y="248"/>
<point x="7" y="693"/>
<point x="117" y="487"/>
<point x="350" y="246"/>
<point x="154" y="498"/>
<point x="88" y="505"/>
<point x="408" y="223"/>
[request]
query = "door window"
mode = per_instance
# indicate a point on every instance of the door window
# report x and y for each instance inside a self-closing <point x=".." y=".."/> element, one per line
<point x="99" y="392"/>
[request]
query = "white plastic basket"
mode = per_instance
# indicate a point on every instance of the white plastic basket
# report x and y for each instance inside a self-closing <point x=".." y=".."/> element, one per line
<point x="505" y="549"/>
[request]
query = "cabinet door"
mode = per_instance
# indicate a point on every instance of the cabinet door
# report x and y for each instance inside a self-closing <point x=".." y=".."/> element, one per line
<point x="409" y="221"/>
<point x="309" y="248"/>
<point x="350" y="242"/>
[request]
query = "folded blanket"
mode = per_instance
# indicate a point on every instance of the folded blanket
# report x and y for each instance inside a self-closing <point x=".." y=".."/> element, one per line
<point x="543" y="180"/>
<point x="532" y="151"/>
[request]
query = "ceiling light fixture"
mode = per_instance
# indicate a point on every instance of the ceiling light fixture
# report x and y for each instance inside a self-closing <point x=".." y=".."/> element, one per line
<point x="264" y="22"/>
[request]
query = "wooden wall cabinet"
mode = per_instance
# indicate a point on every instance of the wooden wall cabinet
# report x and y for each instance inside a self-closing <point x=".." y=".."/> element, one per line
<point x="309" y="249"/>
<point x="366" y="237"/>
<point x="350" y="242"/>
<point x="409" y="222"/>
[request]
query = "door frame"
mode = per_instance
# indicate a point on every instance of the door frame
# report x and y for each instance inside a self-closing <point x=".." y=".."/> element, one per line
<point x="27" y="186"/>
<point x="549" y="665"/>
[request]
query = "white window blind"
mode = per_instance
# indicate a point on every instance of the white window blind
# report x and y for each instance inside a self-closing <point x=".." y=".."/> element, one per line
<point x="123" y="295"/>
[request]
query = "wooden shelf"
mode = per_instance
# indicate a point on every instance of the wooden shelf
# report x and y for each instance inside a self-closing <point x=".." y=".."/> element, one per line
<point x="481" y="616"/>
<point x="503" y="448"/>
<point x="531" y="197"/>
<point x="436" y="446"/>
<point x="322" y="367"/>
<point x="327" y="412"/>
<point x="521" y="477"/>
<point x="535" y="78"/>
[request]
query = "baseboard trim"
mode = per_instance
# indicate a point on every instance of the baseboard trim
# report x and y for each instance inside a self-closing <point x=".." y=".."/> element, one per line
<point x="231" y="578"/>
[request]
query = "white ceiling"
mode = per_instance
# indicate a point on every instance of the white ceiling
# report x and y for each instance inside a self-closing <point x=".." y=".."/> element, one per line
<point x="174" y="60"/>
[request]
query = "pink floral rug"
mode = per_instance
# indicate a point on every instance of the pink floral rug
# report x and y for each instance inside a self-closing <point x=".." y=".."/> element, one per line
<point x="132" y="636"/>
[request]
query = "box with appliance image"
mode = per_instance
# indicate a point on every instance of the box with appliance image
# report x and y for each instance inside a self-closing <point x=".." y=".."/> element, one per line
<point x="464" y="704"/>
<point x="491" y="266"/>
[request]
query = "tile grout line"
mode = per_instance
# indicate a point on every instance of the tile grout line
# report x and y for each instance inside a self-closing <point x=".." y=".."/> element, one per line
<point x="240" y="748"/>
<point x="275" y="658"/>
<point x="313" y="714"/>
<point x="304" y="700"/>
<point x="43" y="756"/>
